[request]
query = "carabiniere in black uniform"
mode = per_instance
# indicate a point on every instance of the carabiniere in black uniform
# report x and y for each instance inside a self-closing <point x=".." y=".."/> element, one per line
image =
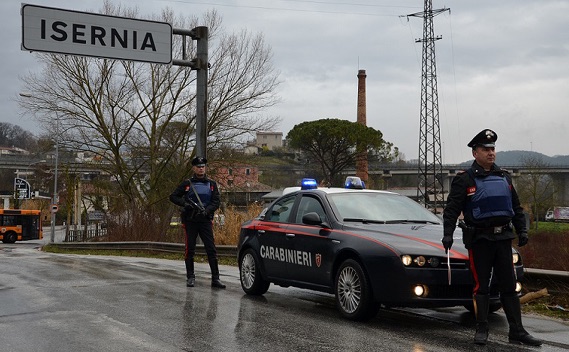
<point x="492" y="211"/>
<point x="199" y="196"/>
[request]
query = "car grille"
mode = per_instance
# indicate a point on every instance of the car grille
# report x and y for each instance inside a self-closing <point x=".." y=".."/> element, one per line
<point x="456" y="264"/>
<point x="452" y="291"/>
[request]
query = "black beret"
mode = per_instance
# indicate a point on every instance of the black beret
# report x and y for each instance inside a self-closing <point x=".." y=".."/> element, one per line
<point x="199" y="160"/>
<point x="486" y="138"/>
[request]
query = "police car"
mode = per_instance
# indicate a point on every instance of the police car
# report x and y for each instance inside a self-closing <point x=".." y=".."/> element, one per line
<point x="369" y="248"/>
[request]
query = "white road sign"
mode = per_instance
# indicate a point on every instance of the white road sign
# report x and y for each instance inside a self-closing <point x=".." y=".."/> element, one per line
<point x="95" y="215"/>
<point x="22" y="188"/>
<point x="53" y="30"/>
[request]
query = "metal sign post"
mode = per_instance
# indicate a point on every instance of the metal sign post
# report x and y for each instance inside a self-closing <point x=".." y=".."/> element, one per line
<point x="55" y="200"/>
<point x="201" y="64"/>
<point x="201" y="91"/>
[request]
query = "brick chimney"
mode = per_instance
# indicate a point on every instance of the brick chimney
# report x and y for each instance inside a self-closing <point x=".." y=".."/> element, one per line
<point x="361" y="157"/>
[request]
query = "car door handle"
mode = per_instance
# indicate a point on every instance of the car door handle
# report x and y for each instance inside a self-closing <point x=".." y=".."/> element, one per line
<point x="260" y="232"/>
<point x="335" y="241"/>
<point x="290" y="235"/>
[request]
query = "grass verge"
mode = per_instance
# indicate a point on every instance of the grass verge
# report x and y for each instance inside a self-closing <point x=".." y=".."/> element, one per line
<point x="555" y="305"/>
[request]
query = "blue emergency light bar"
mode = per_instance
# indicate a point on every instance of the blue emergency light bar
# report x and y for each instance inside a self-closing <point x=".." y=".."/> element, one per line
<point x="354" y="183"/>
<point x="308" y="183"/>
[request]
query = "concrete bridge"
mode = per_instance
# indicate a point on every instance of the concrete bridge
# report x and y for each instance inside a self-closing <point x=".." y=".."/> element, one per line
<point x="559" y="175"/>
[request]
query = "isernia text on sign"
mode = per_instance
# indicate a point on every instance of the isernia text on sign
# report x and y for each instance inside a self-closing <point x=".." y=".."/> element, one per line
<point x="48" y="29"/>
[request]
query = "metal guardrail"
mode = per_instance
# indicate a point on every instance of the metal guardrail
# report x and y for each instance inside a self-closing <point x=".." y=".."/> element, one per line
<point x="547" y="274"/>
<point x="559" y="277"/>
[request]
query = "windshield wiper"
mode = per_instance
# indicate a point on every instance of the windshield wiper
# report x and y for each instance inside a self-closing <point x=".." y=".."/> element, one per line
<point x="365" y="221"/>
<point x="406" y="221"/>
<point x="411" y="221"/>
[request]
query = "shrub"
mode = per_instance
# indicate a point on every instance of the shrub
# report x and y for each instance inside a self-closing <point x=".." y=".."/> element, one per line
<point x="228" y="233"/>
<point x="548" y="247"/>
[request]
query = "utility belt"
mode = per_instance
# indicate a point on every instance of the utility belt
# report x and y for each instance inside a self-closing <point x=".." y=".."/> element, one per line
<point x="496" y="230"/>
<point x="468" y="232"/>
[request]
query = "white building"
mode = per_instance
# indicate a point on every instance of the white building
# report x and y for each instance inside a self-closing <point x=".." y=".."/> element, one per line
<point x="265" y="141"/>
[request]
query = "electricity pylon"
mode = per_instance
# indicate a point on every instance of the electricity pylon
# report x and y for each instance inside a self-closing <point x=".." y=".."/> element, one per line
<point x="430" y="192"/>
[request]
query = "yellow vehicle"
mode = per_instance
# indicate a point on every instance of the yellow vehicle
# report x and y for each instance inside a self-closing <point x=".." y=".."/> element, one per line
<point x="20" y="225"/>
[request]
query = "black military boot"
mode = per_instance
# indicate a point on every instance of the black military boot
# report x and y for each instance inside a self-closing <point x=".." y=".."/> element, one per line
<point x="517" y="334"/>
<point x="191" y="281"/>
<point x="481" y="305"/>
<point x="215" y="282"/>
<point x="190" y="276"/>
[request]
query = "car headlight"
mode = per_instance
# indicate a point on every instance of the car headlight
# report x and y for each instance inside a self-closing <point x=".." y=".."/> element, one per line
<point x="516" y="257"/>
<point x="420" y="260"/>
<point x="434" y="262"/>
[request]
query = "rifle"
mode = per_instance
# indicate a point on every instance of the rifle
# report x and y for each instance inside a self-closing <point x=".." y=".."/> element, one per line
<point x="194" y="205"/>
<point x="195" y="210"/>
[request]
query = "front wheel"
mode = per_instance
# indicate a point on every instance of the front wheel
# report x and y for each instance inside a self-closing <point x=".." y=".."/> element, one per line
<point x="10" y="237"/>
<point x="250" y="275"/>
<point x="354" y="297"/>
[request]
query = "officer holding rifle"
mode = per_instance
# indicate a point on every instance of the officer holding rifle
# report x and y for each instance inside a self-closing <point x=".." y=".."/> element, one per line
<point x="199" y="196"/>
<point x="484" y="194"/>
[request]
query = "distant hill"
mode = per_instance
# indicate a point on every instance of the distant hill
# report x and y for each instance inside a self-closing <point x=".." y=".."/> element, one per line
<point x="517" y="157"/>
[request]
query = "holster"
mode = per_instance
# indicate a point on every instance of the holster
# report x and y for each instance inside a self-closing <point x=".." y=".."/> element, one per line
<point x="468" y="233"/>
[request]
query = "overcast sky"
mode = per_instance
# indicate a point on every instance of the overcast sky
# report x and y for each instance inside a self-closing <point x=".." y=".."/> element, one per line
<point x="502" y="65"/>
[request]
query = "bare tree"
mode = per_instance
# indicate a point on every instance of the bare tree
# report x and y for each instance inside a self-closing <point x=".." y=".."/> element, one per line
<point x="536" y="187"/>
<point x="15" y="136"/>
<point x="138" y="119"/>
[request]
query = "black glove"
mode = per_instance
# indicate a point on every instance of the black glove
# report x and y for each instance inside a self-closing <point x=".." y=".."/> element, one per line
<point x="522" y="239"/>
<point x="204" y="213"/>
<point x="447" y="242"/>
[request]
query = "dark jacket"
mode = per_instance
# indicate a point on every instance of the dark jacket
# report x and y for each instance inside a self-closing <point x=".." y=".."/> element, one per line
<point x="458" y="199"/>
<point x="184" y="190"/>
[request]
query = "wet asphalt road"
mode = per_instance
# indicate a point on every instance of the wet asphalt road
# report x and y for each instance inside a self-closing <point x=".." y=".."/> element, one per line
<point x="55" y="302"/>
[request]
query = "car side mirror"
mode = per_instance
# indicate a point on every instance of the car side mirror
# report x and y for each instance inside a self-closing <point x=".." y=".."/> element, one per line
<point x="311" y="218"/>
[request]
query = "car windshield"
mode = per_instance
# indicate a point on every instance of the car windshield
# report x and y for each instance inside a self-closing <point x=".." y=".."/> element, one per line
<point x="380" y="207"/>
